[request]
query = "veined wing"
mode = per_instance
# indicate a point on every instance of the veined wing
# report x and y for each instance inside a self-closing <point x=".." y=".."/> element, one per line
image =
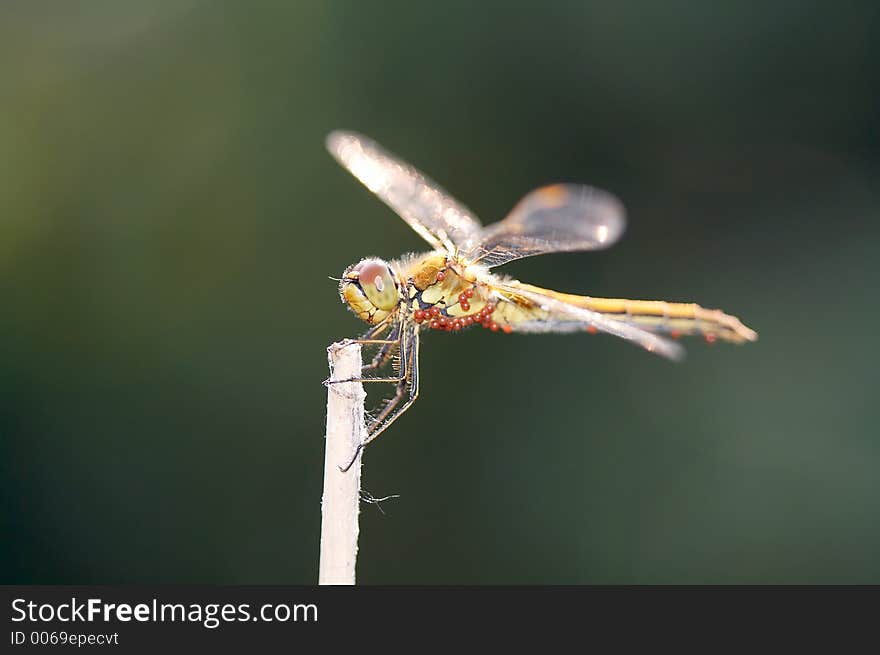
<point x="557" y="218"/>
<point x="526" y="308"/>
<point x="437" y="217"/>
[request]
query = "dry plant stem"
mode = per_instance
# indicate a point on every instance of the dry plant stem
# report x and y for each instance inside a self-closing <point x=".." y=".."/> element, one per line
<point x="340" y="504"/>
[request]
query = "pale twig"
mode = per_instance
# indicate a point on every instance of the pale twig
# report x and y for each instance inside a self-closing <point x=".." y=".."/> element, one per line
<point x="340" y="504"/>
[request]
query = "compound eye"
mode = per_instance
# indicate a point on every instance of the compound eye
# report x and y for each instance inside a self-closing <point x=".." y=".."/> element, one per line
<point x="377" y="283"/>
<point x="372" y="272"/>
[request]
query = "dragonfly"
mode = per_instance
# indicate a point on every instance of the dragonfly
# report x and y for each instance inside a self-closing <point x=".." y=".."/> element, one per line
<point x="452" y="287"/>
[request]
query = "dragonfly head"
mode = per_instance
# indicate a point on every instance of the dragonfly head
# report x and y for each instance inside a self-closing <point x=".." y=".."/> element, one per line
<point x="370" y="290"/>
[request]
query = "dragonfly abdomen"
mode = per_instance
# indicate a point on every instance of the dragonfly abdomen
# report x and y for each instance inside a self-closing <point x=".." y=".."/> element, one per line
<point x="675" y="318"/>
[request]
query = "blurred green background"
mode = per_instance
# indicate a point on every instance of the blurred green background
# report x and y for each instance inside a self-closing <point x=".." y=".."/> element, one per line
<point x="169" y="219"/>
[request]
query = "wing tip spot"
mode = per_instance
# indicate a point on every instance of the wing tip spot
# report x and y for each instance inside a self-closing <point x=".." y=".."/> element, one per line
<point x="554" y="195"/>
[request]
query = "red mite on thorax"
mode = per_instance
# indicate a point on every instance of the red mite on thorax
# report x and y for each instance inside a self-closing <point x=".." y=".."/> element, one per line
<point x="435" y="320"/>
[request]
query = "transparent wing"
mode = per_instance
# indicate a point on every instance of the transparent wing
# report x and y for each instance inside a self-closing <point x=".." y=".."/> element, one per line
<point x="557" y="218"/>
<point x="437" y="217"/>
<point x="525" y="308"/>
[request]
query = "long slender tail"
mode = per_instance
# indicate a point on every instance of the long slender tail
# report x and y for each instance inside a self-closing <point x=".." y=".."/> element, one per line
<point x="673" y="318"/>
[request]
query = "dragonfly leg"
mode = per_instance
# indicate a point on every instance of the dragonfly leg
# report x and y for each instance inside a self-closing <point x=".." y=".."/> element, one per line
<point x="393" y="380"/>
<point x="405" y="394"/>
<point x="381" y="357"/>
<point x="385" y="352"/>
<point x="382" y="421"/>
<point x="392" y="410"/>
<point x="378" y="360"/>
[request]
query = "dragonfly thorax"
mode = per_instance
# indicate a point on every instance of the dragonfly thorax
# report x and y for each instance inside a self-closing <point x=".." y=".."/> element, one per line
<point x="370" y="290"/>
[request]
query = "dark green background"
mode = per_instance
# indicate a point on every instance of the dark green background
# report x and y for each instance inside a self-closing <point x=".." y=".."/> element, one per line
<point x="169" y="219"/>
